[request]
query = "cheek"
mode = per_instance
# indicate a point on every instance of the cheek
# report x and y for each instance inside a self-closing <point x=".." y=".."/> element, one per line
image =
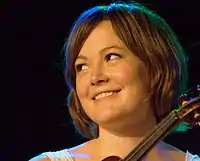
<point x="127" y="74"/>
<point x="79" y="88"/>
<point x="79" y="91"/>
<point x="82" y="87"/>
<point x="134" y="76"/>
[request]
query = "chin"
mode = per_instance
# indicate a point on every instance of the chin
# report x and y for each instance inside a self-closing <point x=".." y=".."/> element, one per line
<point x="105" y="119"/>
<point x="108" y="118"/>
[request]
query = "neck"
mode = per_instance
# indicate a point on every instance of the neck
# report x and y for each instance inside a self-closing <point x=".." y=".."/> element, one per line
<point x="121" y="142"/>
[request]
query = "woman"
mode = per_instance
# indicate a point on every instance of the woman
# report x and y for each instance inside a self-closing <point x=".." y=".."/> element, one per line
<point x="125" y="69"/>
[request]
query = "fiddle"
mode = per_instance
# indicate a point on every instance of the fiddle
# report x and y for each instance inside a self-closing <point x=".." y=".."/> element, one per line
<point x="189" y="112"/>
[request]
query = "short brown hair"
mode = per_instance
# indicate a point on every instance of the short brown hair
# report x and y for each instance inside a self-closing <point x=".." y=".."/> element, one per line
<point x="149" y="37"/>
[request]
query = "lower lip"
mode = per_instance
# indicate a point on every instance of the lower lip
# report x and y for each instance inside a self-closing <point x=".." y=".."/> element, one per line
<point x="107" y="96"/>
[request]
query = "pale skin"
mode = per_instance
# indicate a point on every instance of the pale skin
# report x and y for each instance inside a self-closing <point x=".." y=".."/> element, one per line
<point x="123" y="118"/>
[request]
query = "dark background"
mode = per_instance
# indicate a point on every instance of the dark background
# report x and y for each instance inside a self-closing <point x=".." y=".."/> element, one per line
<point x="35" y="32"/>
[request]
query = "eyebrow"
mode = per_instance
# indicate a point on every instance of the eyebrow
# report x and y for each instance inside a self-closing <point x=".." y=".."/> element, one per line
<point x="102" y="51"/>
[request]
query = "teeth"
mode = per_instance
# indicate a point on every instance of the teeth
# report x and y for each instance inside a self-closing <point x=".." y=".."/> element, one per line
<point x="105" y="94"/>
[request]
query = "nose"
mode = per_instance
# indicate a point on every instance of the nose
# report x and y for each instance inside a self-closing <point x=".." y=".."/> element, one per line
<point x="98" y="76"/>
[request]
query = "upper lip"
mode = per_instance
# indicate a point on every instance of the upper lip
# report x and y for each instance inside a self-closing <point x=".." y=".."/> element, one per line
<point x="103" y="91"/>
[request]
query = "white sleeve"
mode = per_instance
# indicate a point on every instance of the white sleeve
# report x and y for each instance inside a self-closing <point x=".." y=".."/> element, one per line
<point x="191" y="157"/>
<point x="62" y="155"/>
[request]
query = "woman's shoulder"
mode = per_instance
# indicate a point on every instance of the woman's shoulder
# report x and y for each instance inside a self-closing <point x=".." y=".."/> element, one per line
<point x="77" y="153"/>
<point x="179" y="155"/>
<point x="192" y="157"/>
<point x="62" y="155"/>
<point x="40" y="158"/>
<point x="83" y="151"/>
<point x="184" y="156"/>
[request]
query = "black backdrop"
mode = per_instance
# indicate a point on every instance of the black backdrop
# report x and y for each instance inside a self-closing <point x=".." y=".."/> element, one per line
<point x="38" y="29"/>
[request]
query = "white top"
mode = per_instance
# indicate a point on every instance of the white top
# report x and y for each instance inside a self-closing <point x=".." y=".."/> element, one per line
<point x="64" y="155"/>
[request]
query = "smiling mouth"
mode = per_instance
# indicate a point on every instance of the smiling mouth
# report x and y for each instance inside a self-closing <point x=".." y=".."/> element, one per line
<point x="106" y="94"/>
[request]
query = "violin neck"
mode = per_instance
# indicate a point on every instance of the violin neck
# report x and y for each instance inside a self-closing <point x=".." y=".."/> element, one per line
<point x="160" y="131"/>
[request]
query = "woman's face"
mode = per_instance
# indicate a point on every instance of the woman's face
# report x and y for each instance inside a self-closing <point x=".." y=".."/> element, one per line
<point x="111" y="82"/>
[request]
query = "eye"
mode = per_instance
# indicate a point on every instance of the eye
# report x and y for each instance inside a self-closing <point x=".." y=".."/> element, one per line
<point x="80" y="67"/>
<point x="112" y="56"/>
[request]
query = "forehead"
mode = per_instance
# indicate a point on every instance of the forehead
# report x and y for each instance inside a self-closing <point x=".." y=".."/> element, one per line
<point x="101" y="36"/>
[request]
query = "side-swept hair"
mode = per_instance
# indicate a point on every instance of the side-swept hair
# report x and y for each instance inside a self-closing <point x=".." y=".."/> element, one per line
<point x="149" y="37"/>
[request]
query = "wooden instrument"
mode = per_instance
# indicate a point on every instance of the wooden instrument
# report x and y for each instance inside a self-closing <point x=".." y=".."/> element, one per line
<point x="188" y="112"/>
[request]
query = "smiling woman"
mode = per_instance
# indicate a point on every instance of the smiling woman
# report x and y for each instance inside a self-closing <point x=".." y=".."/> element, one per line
<point x="125" y="69"/>
<point x="111" y="66"/>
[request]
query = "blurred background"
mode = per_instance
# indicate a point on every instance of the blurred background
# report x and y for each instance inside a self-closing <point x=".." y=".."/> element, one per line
<point x="35" y="32"/>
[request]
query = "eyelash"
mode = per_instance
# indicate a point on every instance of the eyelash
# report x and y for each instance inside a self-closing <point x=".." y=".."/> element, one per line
<point x="78" y="67"/>
<point x="107" y="57"/>
<point x="110" y="54"/>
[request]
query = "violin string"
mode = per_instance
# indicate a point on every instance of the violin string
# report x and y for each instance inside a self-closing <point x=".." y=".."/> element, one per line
<point x="169" y="120"/>
<point x="158" y="130"/>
